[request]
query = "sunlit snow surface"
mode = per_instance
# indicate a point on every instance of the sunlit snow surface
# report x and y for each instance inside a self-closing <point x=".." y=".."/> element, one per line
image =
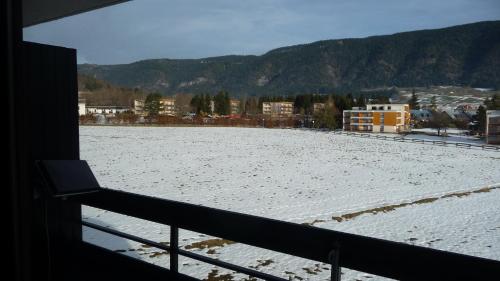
<point x="299" y="176"/>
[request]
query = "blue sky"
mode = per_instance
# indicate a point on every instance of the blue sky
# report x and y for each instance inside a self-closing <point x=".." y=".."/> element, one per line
<point x="144" y="29"/>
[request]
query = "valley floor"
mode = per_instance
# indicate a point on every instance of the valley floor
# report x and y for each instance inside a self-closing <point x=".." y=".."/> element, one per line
<point x="432" y="196"/>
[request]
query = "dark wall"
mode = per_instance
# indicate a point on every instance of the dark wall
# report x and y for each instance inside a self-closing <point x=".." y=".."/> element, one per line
<point x="50" y="83"/>
<point x="10" y="42"/>
<point x="49" y="131"/>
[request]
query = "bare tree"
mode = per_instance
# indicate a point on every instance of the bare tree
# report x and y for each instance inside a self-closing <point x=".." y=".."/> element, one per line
<point x="183" y="103"/>
<point x="439" y="121"/>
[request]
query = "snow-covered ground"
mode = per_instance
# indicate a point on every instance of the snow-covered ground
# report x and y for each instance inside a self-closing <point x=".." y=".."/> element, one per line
<point x="337" y="182"/>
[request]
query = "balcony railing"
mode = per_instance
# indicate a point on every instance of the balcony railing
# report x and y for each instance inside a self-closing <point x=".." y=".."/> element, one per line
<point x="370" y="255"/>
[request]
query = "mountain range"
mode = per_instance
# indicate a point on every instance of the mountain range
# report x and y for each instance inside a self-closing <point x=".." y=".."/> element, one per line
<point x="465" y="55"/>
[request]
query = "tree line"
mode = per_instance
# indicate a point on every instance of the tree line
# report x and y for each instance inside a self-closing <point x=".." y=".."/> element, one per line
<point x="329" y="116"/>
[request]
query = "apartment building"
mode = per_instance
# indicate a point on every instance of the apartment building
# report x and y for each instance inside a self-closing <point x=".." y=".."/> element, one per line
<point x="493" y="127"/>
<point x="234" y="104"/>
<point x="278" y="109"/>
<point x="109" y="110"/>
<point x="81" y="107"/>
<point x="168" y="106"/>
<point x="138" y="107"/>
<point x="391" y="118"/>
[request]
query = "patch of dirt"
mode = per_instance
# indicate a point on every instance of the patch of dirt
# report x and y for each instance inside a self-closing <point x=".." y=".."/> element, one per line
<point x="390" y="208"/>
<point x="292" y="275"/>
<point x="211" y="243"/>
<point x="261" y="263"/>
<point x="214" y="276"/>
<point x="313" y="222"/>
<point x="157" y="254"/>
<point x="313" y="270"/>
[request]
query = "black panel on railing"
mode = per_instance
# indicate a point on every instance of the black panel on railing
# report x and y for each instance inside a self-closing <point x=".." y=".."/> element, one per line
<point x="375" y="256"/>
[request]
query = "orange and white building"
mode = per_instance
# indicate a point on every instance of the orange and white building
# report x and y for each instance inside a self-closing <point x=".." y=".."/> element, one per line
<point x="390" y="118"/>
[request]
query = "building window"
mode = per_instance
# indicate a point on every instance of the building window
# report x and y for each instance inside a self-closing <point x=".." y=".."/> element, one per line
<point x="374" y="107"/>
<point x="388" y="108"/>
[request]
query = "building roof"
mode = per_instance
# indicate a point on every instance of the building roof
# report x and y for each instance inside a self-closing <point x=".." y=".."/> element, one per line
<point x="388" y="104"/>
<point x="417" y="111"/>
<point x="287" y="102"/>
<point x="493" y="113"/>
<point x="40" y="11"/>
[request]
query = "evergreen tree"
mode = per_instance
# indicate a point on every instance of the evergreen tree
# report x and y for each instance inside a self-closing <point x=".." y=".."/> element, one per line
<point x="433" y="103"/>
<point x="152" y="104"/>
<point x="327" y="117"/>
<point x="493" y="103"/>
<point x="481" y="119"/>
<point x="361" y="101"/>
<point x="222" y="103"/>
<point x="414" y="101"/>
<point x="205" y="105"/>
<point x="195" y="104"/>
<point x="349" y="99"/>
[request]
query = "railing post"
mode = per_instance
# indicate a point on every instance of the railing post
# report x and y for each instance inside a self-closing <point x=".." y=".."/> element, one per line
<point x="174" y="249"/>
<point x="333" y="257"/>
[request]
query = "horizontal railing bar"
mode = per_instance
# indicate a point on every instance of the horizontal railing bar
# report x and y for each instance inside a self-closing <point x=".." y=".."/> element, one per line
<point x="237" y="268"/>
<point x="126" y="235"/>
<point x="188" y="254"/>
<point x="104" y="262"/>
<point x="376" y="256"/>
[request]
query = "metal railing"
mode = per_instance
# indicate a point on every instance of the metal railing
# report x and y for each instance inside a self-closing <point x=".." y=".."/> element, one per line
<point x="421" y="141"/>
<point x="370" y="255"/>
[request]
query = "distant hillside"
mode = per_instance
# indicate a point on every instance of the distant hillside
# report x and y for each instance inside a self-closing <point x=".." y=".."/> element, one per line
<point x="467" y="55"/>
<point x="98" y="92"/>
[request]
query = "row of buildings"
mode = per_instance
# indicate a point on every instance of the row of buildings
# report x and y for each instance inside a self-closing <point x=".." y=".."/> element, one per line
<point x="169" y="108"/>
<point x="390" y="118"/>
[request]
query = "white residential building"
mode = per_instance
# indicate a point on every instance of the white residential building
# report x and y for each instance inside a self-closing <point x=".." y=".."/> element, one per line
<point x="106" y="109"/>
<point x="168" y="106"/>
<point x="278" y="109"/>
<point x="139" y="107"/>
<point x="493" y="126"/>
<point x="81" y="107"/>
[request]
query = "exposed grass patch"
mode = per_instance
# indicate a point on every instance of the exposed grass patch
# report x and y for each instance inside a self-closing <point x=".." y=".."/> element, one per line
<point x="424" y="201"/>
<point x="211" y="243"/>
<point x="374" y="211"/>
<point x="292" y="275"/>
<point x="390" y="208"/>
<point x="211" y="252"/>
<point x="313" y="270"/>
<point x="313" y="222"/>
<point x="214" y="276"/>
<point x="262" y="263"/>
<point x="158" y="254"/>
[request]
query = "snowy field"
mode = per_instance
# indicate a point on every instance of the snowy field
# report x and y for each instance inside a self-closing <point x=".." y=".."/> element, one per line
<point x="441" y="197"/>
